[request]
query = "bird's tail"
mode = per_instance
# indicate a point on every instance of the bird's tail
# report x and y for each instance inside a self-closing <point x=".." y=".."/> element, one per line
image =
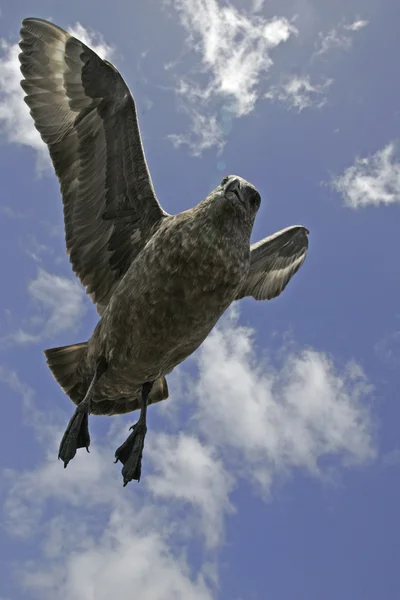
<point x="63" y="363"/>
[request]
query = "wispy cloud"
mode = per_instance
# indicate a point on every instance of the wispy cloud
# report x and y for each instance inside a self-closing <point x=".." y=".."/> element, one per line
<point x="356" y="25"/>
<point x="205" y="133"/>
<point x="11" y="213"/>
<point x="387" y="350"/>
<point x="392" y="458"/>
<point x="234" y="48"/>
<point x="372" y="180"/>
<point x="258" y="5"/>
<point x="298" y="92"/>
<point x="339" y="37"/>
<point x="15" y="120"/>
<point x="59" y="305"/>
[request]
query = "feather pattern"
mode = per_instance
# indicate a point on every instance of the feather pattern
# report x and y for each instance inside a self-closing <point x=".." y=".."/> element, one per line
<point x="273" y="262"/>
<point x="86" y="115"/>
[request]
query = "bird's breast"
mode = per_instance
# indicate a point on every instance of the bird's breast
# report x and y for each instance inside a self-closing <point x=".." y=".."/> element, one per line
<point x="172" y="296"/>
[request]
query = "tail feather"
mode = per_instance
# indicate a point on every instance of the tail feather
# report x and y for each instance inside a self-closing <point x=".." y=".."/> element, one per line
<point x="63" y="362"/>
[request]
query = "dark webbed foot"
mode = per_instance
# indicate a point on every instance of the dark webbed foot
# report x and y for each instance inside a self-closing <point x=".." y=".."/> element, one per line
<point x="131" y="451"/>
<point x="77" y="433"/>
<point x="76" y="436"/>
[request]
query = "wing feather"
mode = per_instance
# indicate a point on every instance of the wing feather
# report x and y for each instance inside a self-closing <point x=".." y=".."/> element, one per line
<point x="86" y="115"/>
<point x="273" y="262"/>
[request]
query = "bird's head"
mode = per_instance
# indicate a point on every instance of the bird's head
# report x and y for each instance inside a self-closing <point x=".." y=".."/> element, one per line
<point x="239" y="196"/>
<point x="234" y="202"/>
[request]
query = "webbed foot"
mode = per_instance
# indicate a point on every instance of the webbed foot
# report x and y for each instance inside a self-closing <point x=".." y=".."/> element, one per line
<point x="76" y="436"/>
<point x="77" y="433"/>
<point x="131" y="452"/>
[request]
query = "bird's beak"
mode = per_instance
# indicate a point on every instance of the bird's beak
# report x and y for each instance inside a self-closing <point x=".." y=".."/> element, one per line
<point x="233" y="191"/>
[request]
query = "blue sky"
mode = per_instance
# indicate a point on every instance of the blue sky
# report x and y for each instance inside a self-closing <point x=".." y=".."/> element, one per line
<point x="271" y="472"/>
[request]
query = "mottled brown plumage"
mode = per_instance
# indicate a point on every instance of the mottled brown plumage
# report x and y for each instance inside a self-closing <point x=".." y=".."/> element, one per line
<point x="160" y="282"/>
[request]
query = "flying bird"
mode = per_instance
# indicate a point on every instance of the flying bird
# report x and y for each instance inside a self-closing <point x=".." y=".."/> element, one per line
<point x="160" y="282"/>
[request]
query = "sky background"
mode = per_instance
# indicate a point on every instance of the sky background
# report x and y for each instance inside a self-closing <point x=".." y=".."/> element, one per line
<point x="272" y="471"/>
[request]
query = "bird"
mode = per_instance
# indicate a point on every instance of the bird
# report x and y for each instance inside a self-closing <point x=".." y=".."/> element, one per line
<point x="160" y="282"/>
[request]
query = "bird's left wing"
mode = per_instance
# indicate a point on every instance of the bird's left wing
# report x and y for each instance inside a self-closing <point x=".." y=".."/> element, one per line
<point x="274" y="261"/>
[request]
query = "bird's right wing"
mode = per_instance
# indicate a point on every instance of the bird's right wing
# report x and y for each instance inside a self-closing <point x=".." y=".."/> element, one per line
<point x="273" y="262"/>
<point x="86" y="115"/>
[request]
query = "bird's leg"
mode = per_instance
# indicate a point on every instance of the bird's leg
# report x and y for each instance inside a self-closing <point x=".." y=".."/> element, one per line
<point x="77" y="433"/>
<point x="131" y="451"/>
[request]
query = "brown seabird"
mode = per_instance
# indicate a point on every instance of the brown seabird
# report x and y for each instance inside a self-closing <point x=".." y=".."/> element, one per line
<point x="160" y="282"/>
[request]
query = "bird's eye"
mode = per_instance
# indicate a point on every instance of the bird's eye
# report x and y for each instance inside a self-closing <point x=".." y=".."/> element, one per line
<point x="225" y="180"/>
<point x="255" y="199"/>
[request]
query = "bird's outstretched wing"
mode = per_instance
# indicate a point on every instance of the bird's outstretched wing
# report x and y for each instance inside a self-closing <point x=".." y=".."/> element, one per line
<point x="86" y="115"/>
<point x="274" y="261"/>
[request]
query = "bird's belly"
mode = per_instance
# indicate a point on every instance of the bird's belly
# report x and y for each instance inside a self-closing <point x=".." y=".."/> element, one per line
<point x="166" y="305"/>
<point x="147" y="333"/>
<point x="173" y="328"/>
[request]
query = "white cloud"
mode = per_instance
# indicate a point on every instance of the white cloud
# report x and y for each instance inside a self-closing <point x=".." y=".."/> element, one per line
<point x="98" y="539"/>
<point x="338" y="37"/>
<point x="334" y="38"/>
<point x="73" y="487"/>
<point x="388" y="350"/>
<point x="357" y="25"/>
<point x="189" y="471"/>
<point x="299" y="93"/>
<point x="61" y="298"/>
<point x="22" y="337"/>
<point x="258" y="5"/>
<point x="235" y="53"/>
<point x="277" y="420"/>
<point x="205" y="133"/>
<point x="102" y="541"/>
<point x="244" y="418"/>
<point x="60" y="306"/>
<point x="120" y="562"/>
<point x="11" y="379"/>
<point x="372" y="180"/>
<point x="93" y="39"/>
<point x="15" y="120"/>
<point x="11" y="213"/>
